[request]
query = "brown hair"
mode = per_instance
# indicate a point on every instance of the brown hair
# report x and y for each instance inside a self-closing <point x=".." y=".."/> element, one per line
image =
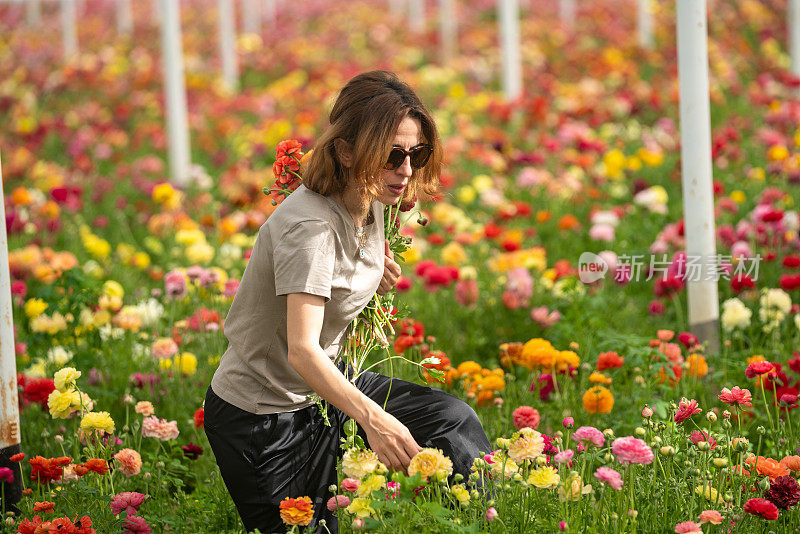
<point x="366" y="115"/>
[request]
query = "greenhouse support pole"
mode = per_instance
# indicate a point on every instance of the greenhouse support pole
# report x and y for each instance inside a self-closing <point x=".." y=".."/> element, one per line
<point x="645" y="23"/>
<point x="227" y="44"/>
<point x="566" y="12"/>
<point x="416" y="15"/>
<point x="69" y="33"/>
<point x="448" y="28"/>
<point x="794" y="36"/>
<point x="33" y="11"/>
<point x="509" y="48"/>
<point x="124" y="17"/>
<point x="9" y="413"/>
<point x="696" y="175"/>
<point x="175" y="92"/>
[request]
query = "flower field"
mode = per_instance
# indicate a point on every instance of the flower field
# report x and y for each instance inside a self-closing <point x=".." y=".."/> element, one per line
<point x="606" y="414"/>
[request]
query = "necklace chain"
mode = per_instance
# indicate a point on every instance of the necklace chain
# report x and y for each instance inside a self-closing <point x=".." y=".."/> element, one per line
<point x="360" y="231"/>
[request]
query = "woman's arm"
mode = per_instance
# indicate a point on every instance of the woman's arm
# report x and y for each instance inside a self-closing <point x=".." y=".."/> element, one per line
<point x="387" y="436"/>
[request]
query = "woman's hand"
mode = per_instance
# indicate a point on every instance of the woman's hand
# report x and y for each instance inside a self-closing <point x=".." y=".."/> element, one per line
<point x="390" y="439"/>
<point x="391" y="271"/>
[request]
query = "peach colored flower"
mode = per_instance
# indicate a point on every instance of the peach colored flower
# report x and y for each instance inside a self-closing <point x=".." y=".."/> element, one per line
<point x="155" y="427"/>
<point x="129" y="462"/>
<point x="164" y="347"/>
<point x="710" y="516"/>
<point x="145" y="408"/>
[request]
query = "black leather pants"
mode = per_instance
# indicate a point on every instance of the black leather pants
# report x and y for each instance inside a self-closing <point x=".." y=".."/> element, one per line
<point x="266" y="458"/>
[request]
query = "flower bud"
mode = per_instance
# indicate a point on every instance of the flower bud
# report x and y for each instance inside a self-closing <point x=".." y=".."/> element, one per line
<point x="720" y="462"/>
<point x="332" y="488"/>
<point x="764" y="483"/>
<point x="647" y="413"/>
<point x="726" y="414"/>
<point x="639" y="431"/>
<point x="608" y="433"/>
<point x="568" y="422"/>
<point x="704" y="446"/>
<point x="608" y="457"/>
<point x="761" y="430"/>
<point x="667" y="450"/>
<point x="711" y="416"/>
<point x="657" y="439"/>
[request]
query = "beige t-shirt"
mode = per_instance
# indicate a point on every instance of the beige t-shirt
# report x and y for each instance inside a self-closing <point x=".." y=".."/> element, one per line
<point x="308" y="245"/>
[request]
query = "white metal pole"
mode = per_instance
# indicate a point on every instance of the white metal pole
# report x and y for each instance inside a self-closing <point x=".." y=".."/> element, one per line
<point x="9" y="403"/>
<point x="509" y="48"/>
<point x="416" y="15"/>
<point x="645" y="23"/>
<point x="566" y="11"/>
<point x="227" y="44"/>
<point x="270" y="11"/>
<point x="124" y="17"/>
<point x="33" y="10"/>
<point x="69" y="34"/>
<point x="698" y="200"/>
<point x="794" y="35"/>
<point x="448" y="28"/>
<point x="175" y="92"/>
<point x="251" y="16"/>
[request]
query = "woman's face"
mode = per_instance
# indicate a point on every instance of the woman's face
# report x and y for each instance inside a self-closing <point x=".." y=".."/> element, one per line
<point x="394" y="182"/>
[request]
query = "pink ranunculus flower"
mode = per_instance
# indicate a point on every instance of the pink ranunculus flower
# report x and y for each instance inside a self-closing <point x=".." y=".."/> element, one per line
<point x="589" y="434"/>
<point x="736" y="395"/>
<point x="155" y="427"/>
<point x="686" y="409"/>
<point x="338" y="502"/>
<point x="631" y="450"/>
<point x="175" y="284"/>
<point x="525" y="416"/>
<point x="145" y="408"/>
<point x="491" y="514"/>
<point x="564" y="457"/>
<point x="602" y="232"/>
<point x="231" y="286"/>
<point x="609" y="476"/>
<point x="136" y="524"/>
<point x="701" y="435"/>
<point x="129" y="462"/>
<point x="544" y="317"/>
<point x="127" y="501"/>
<point x="688" y="527"/>
<point x="350" y="484"/>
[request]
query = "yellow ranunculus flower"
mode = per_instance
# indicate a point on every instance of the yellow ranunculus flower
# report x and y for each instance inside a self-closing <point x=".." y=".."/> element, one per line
<point x="113" y="289"/>
<point x="65" y="378"/>
<point x="453" y="254"/>
<point x="186" y="363"/>
<point x="466" y="194"/>
<point x="34" y="307"/>
<point x="62" y="403"/>
<point x="738" y="196"/>
<point x="98" y="421"/>
<point x="360" y="507"/>
<point x="189" y="237"/>
<point x="544" y="477"/>
<point x="369" y="484"/>
<point x="200" y="252"/>
<point x="460" y="493"/>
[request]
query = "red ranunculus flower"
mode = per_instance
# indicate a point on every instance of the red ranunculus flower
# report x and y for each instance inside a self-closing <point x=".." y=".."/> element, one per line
<point x="761" y="507"/>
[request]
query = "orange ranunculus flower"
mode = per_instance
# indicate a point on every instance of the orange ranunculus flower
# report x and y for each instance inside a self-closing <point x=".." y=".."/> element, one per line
<point x="599" y="378"/>
<point x="791" y="462"/>
<point x="484" y="397"/>
<point x="598" y="399"/>
<point x="296" y="511"/>
<point x="568" y="222"/>
<point x="768" y="467"/>
<point x="468" y="368"/>
<point x="539" y="352"/>
<point x="542" y="216"/>
<point x="44" y="506"/>
<point x="98" y="465"/>
<point x="697" y="365"/>
<point x="511" y="353"/>
<point x="609" y="360"/>
<point x="566" y="359"/>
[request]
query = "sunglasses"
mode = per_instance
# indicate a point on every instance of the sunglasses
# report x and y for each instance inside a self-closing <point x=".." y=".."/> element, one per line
<point x="419" y="155"/>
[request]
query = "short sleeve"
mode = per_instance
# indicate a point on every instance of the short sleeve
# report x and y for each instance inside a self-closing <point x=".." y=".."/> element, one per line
<point x="304" y="258"/>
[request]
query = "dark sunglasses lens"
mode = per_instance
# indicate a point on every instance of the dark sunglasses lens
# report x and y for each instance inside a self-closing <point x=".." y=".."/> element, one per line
<point x="419" y="156"/>
<point x="395" y="159"/>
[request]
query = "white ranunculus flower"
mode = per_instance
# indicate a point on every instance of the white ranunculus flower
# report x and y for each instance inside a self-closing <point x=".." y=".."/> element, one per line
<point x="59" y="355"/>
<point x="150" y="311"/>
<point x="735" y="314"/>
<point x="776" y="299"/>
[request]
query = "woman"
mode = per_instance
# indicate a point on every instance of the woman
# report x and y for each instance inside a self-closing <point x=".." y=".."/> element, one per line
<point x="315" y="265"/>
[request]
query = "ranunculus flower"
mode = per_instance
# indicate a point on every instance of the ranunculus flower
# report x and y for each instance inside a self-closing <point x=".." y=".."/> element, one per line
<point x="129" y="462"/>
<point x="761" y="507"/>
<point x="338" y="502"/>
<point x="783" y="492"/>
<point x="589" y="434"/>
<point x="155" y="427"/>
<point x="758" y="368"/>
<point x="127" y="501"/>
<point x="525" y="416"/>
<point x="686" y="409"/>
<point x="631" y="450"/>
<point x="609" y="476"/>
<point x="298" y="511"/>
<point x="736" y="395"/>
<point x="688" y="527"/>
